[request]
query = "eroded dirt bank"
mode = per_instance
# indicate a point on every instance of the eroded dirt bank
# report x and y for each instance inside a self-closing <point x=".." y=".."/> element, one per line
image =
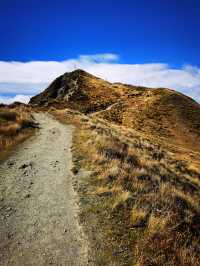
<point x="38" y="206"/>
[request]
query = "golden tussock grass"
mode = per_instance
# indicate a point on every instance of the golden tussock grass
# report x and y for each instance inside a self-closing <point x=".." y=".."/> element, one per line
<point x="141" y="194"/>
<point x="137" y="216"/>
<point x="15" y="125"/>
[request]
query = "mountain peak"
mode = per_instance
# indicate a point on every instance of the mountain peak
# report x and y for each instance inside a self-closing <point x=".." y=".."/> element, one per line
<point x="79" y="73"/>
<point x="76" y="89"/>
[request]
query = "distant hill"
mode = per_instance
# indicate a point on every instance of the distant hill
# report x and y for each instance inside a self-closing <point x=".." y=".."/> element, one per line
<point x="79" y="90"/>
<point x="160" y="113"/>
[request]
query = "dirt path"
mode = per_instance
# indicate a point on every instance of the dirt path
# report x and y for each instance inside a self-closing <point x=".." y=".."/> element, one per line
<point x="38" y="206"/>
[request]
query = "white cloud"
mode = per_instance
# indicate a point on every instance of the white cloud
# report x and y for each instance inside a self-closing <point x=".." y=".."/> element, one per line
<point x="30" y="78"/>
<point x="99" y="58"/>
<point x="17" y="98"/>
<point x="22" y="88"/>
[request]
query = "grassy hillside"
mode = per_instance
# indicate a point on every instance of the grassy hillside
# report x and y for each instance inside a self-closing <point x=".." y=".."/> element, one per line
<point x="78" y="90"/>
<point x="15" y="125"/>
<point x="161" y="113"/>
<point x="140" y="201"/>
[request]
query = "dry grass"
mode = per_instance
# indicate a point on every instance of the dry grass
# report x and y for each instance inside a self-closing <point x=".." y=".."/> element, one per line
<point x="144" y="200"/>
<point x="138" y="217"/>
<point x="160" y="114"/>
<point x="157" y="223"/>
<point x="121" y="198"/>
<point x="15" y="126"/>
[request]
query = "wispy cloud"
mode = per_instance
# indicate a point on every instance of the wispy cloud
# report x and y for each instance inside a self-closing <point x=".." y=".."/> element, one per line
<point x="29" y="78"/>
<point x="99" y="58"/>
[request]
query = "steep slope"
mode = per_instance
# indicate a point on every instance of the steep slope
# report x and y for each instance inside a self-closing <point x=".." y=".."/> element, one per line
<point x="158" y="113"/>
<point x="79" y="90"/>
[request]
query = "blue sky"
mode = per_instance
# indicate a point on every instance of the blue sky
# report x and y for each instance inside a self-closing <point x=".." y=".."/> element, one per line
<point x="152" y="43"/>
